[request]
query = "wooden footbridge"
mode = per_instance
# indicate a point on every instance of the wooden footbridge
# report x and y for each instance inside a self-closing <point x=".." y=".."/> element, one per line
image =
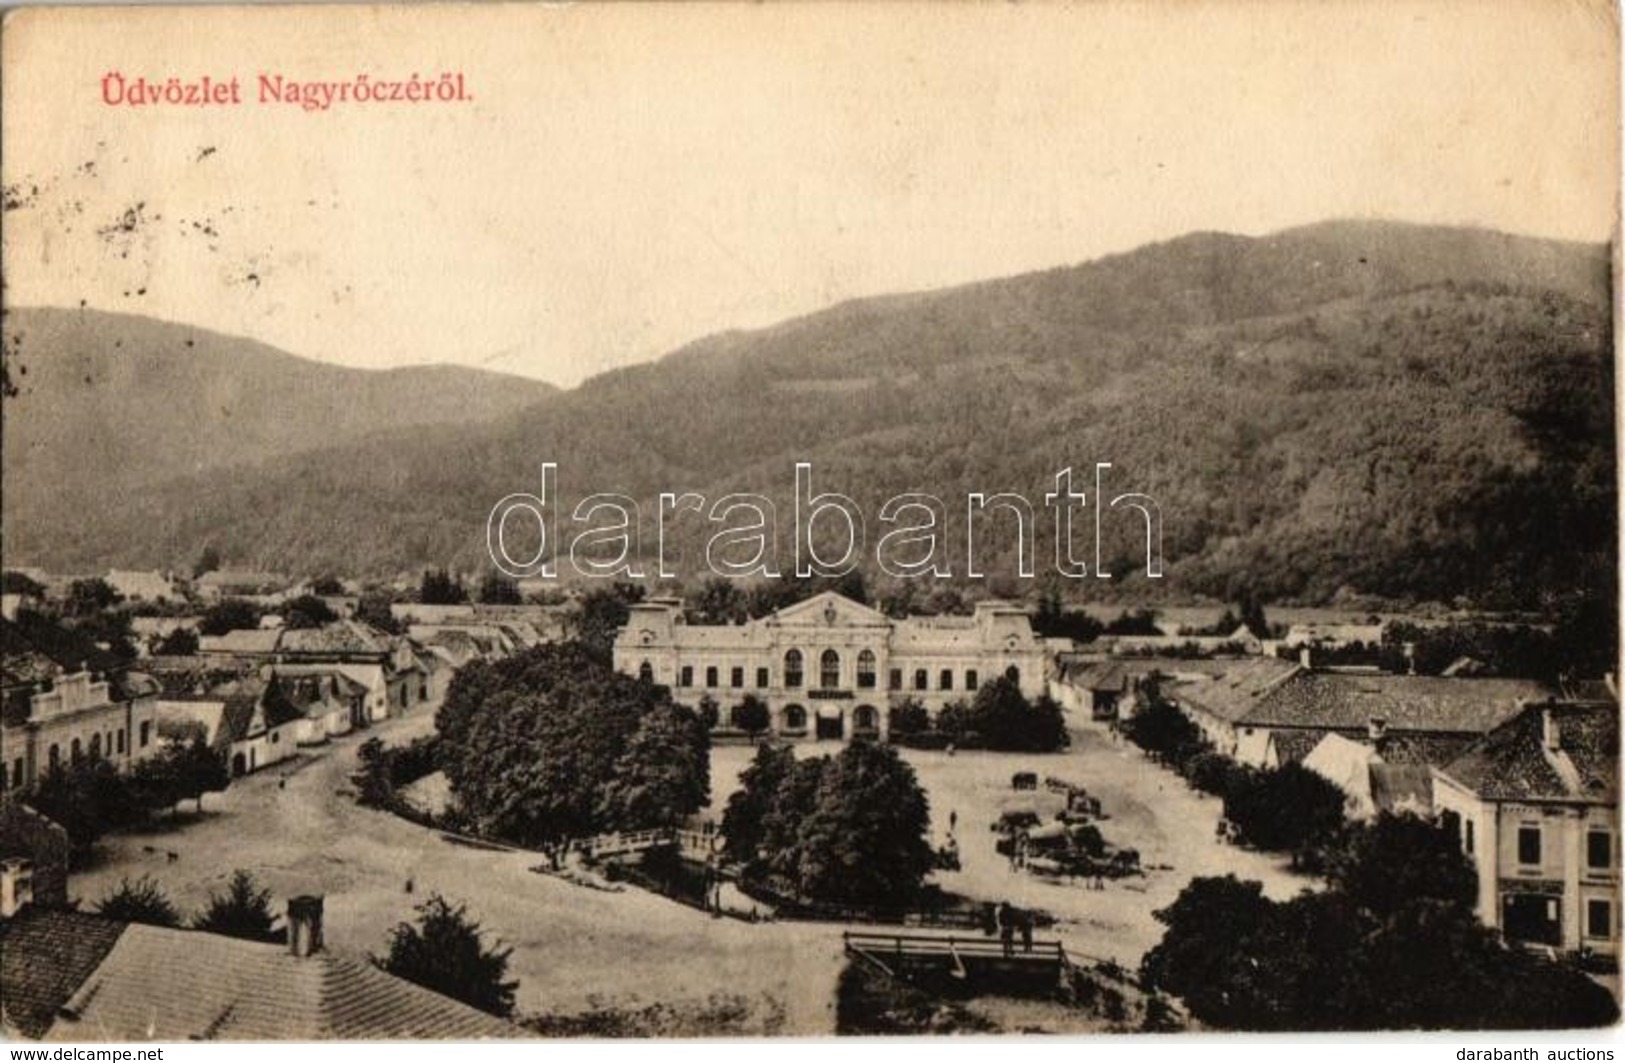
<point x="974" y="959"/>
<point x="694" y="845"/>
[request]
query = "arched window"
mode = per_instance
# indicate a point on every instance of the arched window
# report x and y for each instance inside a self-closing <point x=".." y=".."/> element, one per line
<point x="795" y="717"/>
<point x="55" y="756"/>
<point x="866" y="670"/>
<point x="95" y="746"/>
<point x="864" y="718"/>
<point x="74" y="751"/>
<point x="829" y="670"/>
<point x="646" y="672"/>
<point x="1013" y="674"/>
<point x="792" y="669"/>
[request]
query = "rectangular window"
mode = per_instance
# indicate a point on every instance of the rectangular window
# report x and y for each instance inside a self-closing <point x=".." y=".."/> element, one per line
<point x="896" y="679"/>
<point x="761" y="679"/>
<point x="17" y="772"/>
<point x="920" y="679"/>
<point x="970" y="679"/>
<point x="945" y="679"/>
<point x="736" y="677"/>
<point x="1599" y="849"/>
<point x="1529" y="845"/>
<point x="685" y="677"/>
<point x="710" y="675"/>
<point x="1469" y="836"/>
<point x="1599" y="919"/>
<point x="146" y="733"/>
<point x="121" y="740"/>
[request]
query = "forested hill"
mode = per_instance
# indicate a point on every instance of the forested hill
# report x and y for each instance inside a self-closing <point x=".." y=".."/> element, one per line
<point x="98" y="405"/>
<point x="1413" y="412"/>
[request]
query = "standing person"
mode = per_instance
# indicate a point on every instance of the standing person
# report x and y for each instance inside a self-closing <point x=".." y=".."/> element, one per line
<point x="953" y="822"/>
<point x="1007" y="927"/>
<point x="1026" y="930"/>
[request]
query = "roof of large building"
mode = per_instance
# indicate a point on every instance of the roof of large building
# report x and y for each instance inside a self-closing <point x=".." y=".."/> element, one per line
<point x="261" y="641"/>
<point x="1234" y="690"/>
<point x="1331" y="701"/>
<point x="1514" y="762"/>
<point x="95" y="979"/>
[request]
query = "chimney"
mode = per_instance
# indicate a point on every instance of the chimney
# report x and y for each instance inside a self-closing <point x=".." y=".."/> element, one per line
<point x="1410" y="658"/>
<point x="305" y="925"/>
<point x="16" y="885"/>
<point x="1551" y="735"/>
<point x="1376" y="729"/>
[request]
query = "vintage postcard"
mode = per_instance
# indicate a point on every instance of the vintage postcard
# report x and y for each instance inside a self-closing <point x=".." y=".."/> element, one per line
<point x="792" y="520"/>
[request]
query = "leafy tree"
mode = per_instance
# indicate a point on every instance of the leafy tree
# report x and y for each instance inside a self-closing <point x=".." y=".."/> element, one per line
<point x="603" y="612"/>
<point x="306" y="611"/>
<point x="231" y="614"/>
<point x="1287" y="809"/>
<point x="196" y="768"/>
<point x="373" y="609"/>
<point x="955" y="721"/>
<point x="182" y="642"/>
<point x="664" y="775"/>
<point x="710" y="711"/>
<point x="751" y="715"/>
<point x="141" y="901"/>
<point x="530" y="744"/>
<point x="720" y="601"/>
<point x="440" y="587"/>
<point x="1138" y="622"/>
<point x="908" y="717"/>
<point x="744" y="816"/>
<point x="864" y="840"/>
<point x="208" y="561"/>
<point x="12" y="582"/>
<point x="243" y="911"/>
<point x="496" y="589"/>
<point x="446" y="952"/>
<point x="87" y="596"/>
<point x="1383" y="865"/>
<point x="1006" y="720"/>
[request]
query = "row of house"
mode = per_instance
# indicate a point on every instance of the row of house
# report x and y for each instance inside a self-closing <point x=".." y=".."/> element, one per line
<point x="1524" y="775"/>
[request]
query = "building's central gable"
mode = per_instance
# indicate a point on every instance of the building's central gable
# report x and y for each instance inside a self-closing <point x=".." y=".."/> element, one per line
<point x="828" y="609"/>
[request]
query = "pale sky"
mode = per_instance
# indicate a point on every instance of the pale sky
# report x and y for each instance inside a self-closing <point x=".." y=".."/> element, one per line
<point x="629" y="178"/>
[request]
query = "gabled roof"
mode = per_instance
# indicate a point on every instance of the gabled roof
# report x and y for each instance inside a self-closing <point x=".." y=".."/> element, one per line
<point x="71" y="977"/>
<point x="1513" y="762"/>
<point x="337" y="639"/>
<point x="1235" y="690"/>
<point x="45" y="956"/>
<point x="252" y="641"/>
<point x="827" y="608"/>
<point x="1331" y="701"/>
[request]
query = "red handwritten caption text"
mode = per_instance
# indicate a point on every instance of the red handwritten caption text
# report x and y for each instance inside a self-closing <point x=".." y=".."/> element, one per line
<point x="275" y="89"/>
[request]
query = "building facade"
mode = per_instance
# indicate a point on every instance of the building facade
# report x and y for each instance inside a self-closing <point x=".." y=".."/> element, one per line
<point x="830" y="668"/>
<point x="1535" y="806"/>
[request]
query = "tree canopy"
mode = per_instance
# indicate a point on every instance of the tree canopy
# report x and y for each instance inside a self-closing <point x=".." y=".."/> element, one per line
<point x="554" y="743"/>
<point x="445" y="951"/>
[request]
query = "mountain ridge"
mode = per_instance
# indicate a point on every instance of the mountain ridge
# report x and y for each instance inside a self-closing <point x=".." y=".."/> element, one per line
<point x="1362" y="406"/>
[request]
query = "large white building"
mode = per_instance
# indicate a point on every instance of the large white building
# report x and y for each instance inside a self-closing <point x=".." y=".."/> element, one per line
<point x="829" y="668"/>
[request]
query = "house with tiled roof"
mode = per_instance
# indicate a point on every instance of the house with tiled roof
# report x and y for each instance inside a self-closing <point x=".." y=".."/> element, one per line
<point x="1268" y="712"/>
<point x="1375" y="774"/>
<point x="70" y="977"/>
<point x="248" y="720"/>
<point x="1535" y="805"/>
<point x="1089" y="685"/>
<point x="63" y="699"/>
